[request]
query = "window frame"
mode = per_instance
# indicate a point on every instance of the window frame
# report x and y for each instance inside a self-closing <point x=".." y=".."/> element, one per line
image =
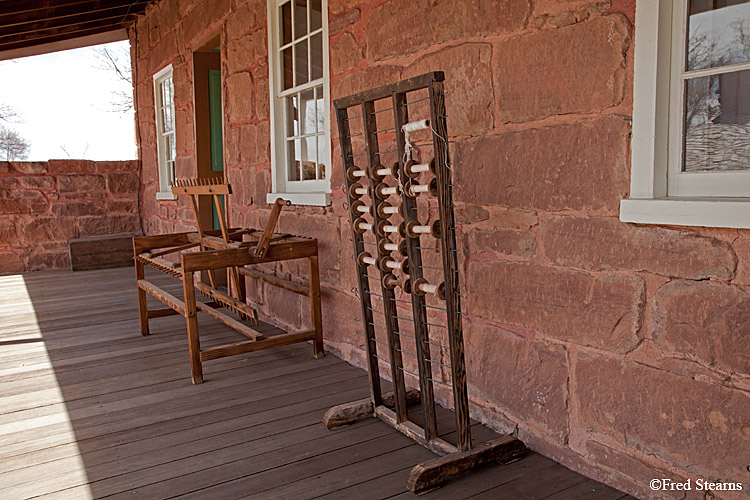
<point x="649" y="201"/>
<point x="164" y="192"/>
<point x="311" y="192"/>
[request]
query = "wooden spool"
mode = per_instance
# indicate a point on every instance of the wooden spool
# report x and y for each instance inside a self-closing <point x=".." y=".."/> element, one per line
<point x="361" y="226"/>
<point x="388" y="265"/>
<point x="385" y="210"/>
<point x="365" y="259"/>
<point x="390" y="281"/>
<point x="379" y="172"/>
<point x="359" y="207"/>
<point x="356" y="191"/>
<point x="423" y="287"/>
<point x="414" y="229"/>
<point x="384" y="229"/>
<point x="412" y="189"/>
<point x="354" y="173"/>
<point x="412" y="169"/>
<point x="383" y="191"/>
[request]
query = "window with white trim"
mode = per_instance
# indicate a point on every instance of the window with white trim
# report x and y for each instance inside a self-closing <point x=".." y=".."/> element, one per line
<point x="300" y="114"/>
<point x="691" y="116"/>
<point x="165" y="131"/>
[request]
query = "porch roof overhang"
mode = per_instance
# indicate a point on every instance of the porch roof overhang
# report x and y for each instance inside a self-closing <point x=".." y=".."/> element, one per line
<point x="32" y="27"/>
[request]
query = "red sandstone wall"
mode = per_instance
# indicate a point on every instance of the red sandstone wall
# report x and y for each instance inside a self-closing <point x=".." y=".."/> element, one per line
<point x="622" y="351"/>
<point x="44" y="204"/>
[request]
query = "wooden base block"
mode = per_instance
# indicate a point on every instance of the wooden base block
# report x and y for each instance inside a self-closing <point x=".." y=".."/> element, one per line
<point x="348" y="413"/>
<point x="101" y="252"/>
<point x="433" y="473"/>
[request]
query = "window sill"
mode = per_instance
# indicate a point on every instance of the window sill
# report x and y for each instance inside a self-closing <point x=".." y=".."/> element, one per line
<point x="705" y="212"/>
<point x="165" y="196"/>
<point x="318" y="199"/>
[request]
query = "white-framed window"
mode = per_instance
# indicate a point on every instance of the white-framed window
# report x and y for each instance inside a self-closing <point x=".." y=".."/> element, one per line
<point x="300" y="109"/>
<point x="691" y="116"/>
<point x="165" y="131"/>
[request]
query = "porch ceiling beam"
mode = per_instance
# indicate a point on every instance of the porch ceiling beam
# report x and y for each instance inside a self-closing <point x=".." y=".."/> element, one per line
<point x="58" y="13"/>
<point x="42" y="28"/>
<point x="8" y="45"/>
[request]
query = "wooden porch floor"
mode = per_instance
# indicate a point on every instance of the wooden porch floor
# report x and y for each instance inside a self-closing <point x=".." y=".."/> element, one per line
<point x="90" y="409"/>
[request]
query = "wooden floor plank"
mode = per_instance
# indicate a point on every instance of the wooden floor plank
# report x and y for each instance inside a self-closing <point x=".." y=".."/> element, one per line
<point x="89" y="408"/>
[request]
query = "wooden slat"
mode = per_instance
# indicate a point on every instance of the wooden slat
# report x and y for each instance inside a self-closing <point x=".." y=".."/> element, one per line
<point x="163" y="296"/>
<point x="387" y="90"/>
<point x="290" y="286"/>
<point x="256" y="345"/>
<point x="229" y="321"/>
<point x="414" y="431"/>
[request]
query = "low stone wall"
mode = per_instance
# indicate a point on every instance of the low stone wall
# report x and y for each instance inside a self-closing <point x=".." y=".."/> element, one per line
<point x="44" y="204"/>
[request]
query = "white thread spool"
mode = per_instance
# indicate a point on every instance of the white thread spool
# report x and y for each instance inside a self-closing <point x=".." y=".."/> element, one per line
<point x="361" y="225"/>
<point x="414" y="126"/>
<point x="365" y="259"/>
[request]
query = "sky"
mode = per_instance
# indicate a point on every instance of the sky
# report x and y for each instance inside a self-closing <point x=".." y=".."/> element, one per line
<point x="64" y="100"/>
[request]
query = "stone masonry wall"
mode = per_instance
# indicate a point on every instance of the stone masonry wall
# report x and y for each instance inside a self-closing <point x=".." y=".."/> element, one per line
<point x="44" y="204"/>
<point x="619" y="350"/>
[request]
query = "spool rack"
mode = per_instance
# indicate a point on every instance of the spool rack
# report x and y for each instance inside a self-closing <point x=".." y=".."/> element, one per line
<point x="386" y="180"/>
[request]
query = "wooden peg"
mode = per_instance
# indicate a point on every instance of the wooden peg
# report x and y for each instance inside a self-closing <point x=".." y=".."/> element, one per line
<point x="387" y="265"/>
<point x="359" y="207"/>
<point x="412" y="169"/>
<point x="355" y="173"/>
<point x="384" y="229"/>
<point x="365" y="259"/>
<point x="383" y="190"/>
<point x="412" y="189"/>
<point x="390" y="281"/>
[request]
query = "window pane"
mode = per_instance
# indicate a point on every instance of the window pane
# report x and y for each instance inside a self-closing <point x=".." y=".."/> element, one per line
<point x="295" y="159"/>
<point x="286" y="23"/>
<point x="718" y="33"/>
<point x="307" y="112"/>
<point x="309" y="155"/>
<point x="316" y="15"/>
<point x="316" y="56"/>
<point x="292" y="116"/>
<point x="300" y="55"/>
<point x="717" y="112"/>
<point x="321" y="111"/>
<point x="288" y="69"/>
<point x="300" y="18"/>
<point x="322" y="157"/>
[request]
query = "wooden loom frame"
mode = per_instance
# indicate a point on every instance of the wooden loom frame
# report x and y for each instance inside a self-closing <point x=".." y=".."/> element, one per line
<point x="454" y="459"/>
<point x="224" y="249"/>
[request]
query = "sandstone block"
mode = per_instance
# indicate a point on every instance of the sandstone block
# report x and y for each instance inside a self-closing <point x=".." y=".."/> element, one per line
<point x="7" y="232"/>
<point x="596" y="311"/>
<point x="245" y="18"/>
<point x="526" y="378"/>
<point x="113" y="224"/>
<point x="29" y="167"/>
<point x="70" y="167"/>
<point x="48" y="260"/>
<point x="11" y="263"/>
<point x="586" y="170"/>
<point x="122" y="206"/>
<point x="576" y="69"/>
<point x="245" y="52"/>
<point x="504" y="241"/>
<point x="443" y="20"/>
<point x="76" y="209"/>
<point x="710" y="321"/>
<point x="339" y="22"/>
<point x="469" y="97"/>
<point x="470" y="214"/>
<point x="677" y="419"/>
<point x="83" y="183"/>
<point x="346" y="53"/>
<point x="284" y="307"/>
<point x="369" y="77"/>
<point x="4" y="166"/>
<point x="123" y="183"/>
<point x="599" y="243"/>
<point x="47" y="229"/>
<point x="240" y="97"/>
<point x="319" y="227"/>
<point x="38" y="182"/>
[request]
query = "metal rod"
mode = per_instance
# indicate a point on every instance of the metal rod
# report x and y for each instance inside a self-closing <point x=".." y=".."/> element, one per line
<point x="384" y="130"/>
<point x="381" y="111"/>
<point x="376" y="326"/>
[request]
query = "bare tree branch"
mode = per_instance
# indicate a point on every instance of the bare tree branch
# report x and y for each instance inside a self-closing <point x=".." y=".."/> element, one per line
<point x="12" y="146"/>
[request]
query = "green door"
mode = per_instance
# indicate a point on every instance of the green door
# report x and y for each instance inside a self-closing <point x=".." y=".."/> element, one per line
<point x="217" y="143"/>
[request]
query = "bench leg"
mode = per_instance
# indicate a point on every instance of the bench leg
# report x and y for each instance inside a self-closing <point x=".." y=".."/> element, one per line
<point x="317" y="320"/>
<point x="191" y="315"/>
<point x="142" y="304"/>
